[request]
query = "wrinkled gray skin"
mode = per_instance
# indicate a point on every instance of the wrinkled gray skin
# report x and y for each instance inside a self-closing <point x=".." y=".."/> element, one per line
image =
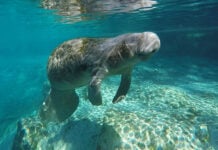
<point x="85" y="61"/>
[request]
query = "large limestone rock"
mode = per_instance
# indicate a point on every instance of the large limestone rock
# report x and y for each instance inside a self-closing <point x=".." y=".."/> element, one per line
<point x="165" y="118"/>
<point x="159" y="117"/>
<point x="151" y="130"/>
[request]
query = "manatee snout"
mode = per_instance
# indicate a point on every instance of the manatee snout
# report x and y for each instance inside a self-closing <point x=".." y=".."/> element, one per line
<point x="150" y="43"/>
<point x="143" y="44"/>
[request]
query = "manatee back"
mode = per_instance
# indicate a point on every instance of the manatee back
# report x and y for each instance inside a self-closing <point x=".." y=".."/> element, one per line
<point x="65" y="59"/>
<point x="75" y="56"/>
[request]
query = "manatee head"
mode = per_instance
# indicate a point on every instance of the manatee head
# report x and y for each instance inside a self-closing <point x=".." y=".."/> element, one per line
<point x="142" y="44"/>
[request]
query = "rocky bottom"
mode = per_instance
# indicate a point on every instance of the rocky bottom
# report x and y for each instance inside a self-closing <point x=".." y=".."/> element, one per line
<point x="151" y="117"/>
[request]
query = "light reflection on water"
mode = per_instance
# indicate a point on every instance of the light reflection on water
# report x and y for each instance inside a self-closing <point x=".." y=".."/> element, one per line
<point x="73" y="7"/>
<point x="153" y="14"/>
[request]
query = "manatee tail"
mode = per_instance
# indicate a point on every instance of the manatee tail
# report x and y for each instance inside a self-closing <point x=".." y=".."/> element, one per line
<point x="59" y="105"/>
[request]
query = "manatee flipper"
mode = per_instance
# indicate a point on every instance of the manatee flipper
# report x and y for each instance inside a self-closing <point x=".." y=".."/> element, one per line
<point x="124" y="86"/>
<point x="94" y="93"/>
<point x="59" y="105"/>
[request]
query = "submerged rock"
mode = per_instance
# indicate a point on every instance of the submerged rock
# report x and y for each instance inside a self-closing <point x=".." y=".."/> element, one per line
<point x="151" y="130"/>
<point x="29" y="132"/>
<point x="161" y="117"/>
<point x="73" y="135"/>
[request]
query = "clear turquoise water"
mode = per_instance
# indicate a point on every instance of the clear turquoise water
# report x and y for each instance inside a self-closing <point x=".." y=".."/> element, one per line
<point x="188" y="59"/>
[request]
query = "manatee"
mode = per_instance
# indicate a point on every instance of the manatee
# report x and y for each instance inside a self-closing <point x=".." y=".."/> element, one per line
<point x="87" y="61"/>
